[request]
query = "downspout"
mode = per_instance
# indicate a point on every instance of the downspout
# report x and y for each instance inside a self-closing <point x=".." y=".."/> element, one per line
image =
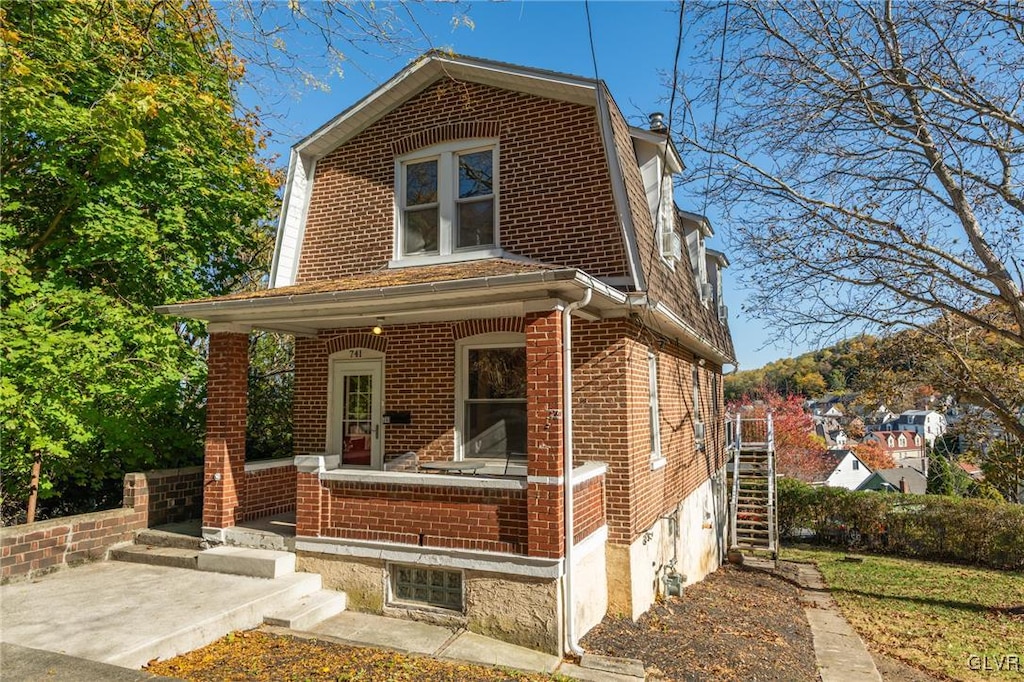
<point x="571" y="645"/>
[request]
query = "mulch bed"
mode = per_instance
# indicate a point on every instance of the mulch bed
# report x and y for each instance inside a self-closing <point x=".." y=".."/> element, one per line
<point x="734" y="625"/>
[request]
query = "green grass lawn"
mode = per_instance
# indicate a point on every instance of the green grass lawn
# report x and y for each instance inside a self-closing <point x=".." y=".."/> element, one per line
<point x="942" y="618"/>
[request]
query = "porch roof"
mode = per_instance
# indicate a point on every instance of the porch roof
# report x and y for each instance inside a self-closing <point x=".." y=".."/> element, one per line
<point x="465" y="290"/>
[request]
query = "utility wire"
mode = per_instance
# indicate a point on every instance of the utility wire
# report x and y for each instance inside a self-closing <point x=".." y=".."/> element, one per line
<point x="718" y="100"/>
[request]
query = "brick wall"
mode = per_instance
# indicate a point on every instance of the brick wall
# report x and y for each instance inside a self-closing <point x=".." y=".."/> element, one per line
<point x="431" y="516"/>
<point x="610" y="407"/>
<point x="269" y="491"/>
<point x="151" y="498"/>
<point x="26" y="551"/>
<point x="419" y="378"/>
<point x="227" y="388"/>
<point x="587" y="508"/>
<point x="166" y="495"/>
<point x="553" y="182"/>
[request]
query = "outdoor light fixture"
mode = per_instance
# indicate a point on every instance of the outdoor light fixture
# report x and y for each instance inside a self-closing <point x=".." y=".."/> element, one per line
<point x="378" y="328"/>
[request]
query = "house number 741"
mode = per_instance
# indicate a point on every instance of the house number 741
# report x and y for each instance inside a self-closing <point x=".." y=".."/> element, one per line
<point x="355" y="353"/>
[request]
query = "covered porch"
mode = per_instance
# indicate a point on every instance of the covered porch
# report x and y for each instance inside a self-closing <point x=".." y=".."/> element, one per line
<point x="405" y="433"/>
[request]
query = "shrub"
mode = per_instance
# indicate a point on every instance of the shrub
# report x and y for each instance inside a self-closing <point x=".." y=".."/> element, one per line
<point x="985" y="532"/>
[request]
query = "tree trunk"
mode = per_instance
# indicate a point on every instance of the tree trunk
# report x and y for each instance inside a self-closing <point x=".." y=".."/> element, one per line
<point x="33" y="487"/>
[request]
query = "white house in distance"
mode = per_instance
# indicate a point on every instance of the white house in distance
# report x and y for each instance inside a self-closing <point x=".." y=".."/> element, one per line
<point x="928" y="423"/>
<point x="841" y="469"/>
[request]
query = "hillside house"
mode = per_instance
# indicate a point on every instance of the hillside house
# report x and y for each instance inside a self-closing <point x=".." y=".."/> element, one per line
<point x="928" y="423"/>
<point x="906" y="480"/>
<point x="838" y="469"/>
<point x="508" y="358"/>
<point x="899" y="445"/>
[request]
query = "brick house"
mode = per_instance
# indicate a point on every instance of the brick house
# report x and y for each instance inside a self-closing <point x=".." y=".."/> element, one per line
<point x="508" y="357"/>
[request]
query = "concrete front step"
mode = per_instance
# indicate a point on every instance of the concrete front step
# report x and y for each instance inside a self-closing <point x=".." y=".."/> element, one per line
<point x="175" y="557"/>
<point x="243" y="615"/>
<point x="160" y="538"/>
<point x="309" y="610"/>
<point x="258" y="563"/>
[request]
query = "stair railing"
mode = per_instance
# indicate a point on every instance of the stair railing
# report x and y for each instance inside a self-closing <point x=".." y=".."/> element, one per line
<point x="737" y="450"/>
<point x="773" y="540"/>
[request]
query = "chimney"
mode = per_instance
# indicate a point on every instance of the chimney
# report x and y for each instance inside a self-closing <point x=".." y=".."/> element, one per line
<point x="657" y="120"/>
<point x="904" y="488"/>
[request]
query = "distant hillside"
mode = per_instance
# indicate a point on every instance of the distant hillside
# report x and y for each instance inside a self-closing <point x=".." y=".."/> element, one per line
<point x="836" y="369"/>
<point x="873" y="368"/>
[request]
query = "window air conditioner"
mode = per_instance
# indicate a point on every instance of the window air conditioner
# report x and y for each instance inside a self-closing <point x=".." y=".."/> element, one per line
<point x="671" y="245"/>
<point x="706" y="292"/>
<point x="723" y="313"/>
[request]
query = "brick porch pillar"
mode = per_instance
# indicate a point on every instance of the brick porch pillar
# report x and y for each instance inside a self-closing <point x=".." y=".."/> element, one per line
<point x="544" y="500"/>
<point x="227" y="387"/>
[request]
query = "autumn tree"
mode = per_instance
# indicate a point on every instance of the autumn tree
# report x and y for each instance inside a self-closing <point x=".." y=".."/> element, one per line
<point x="873" y="455"/>
<point x="871" y="155"/>
<point x="798" y="452"/>
<point x="126" y="180"/>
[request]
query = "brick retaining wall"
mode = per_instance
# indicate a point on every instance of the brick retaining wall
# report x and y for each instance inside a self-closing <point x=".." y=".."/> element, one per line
<point x="151" y="498"/>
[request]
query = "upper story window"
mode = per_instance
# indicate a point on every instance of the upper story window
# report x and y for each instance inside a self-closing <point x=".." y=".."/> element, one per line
<point x="448" y="202"/>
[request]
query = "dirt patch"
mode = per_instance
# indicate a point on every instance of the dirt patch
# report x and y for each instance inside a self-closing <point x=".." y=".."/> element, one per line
<point x="734" y="625"/>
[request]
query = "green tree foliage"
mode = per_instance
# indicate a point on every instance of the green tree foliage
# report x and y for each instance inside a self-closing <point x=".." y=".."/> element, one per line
<point x="271" y="387"/>
<point x="1003" y="466"/>
<point x="126" y="180"/>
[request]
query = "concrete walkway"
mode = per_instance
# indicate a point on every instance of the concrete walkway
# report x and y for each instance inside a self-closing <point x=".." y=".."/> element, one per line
<point x="128" y="614"/>
<point x="104" y="621"/>
<point x="840" y="652"/>
<point x="408" y="636"/>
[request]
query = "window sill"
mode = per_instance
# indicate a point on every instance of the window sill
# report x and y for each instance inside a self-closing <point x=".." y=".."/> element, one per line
<point x="457" y="257"/>
<point x="418" y="479"/>
<point x="658" y="463"/>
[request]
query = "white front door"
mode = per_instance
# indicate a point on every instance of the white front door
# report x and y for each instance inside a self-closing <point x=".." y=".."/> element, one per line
<point x="355" y="412"/>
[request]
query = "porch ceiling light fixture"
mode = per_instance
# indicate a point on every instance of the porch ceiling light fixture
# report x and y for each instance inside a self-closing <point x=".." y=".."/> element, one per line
<point x="378" y="328"/>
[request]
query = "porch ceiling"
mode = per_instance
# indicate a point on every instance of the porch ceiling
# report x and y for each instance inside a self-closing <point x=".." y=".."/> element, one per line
<point x="360" y="301"/>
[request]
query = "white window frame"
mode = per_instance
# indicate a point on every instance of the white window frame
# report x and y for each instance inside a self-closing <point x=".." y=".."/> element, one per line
<point x="654" y="411"/>
<point x="447" y="203"/>
<point x="462" y="348"/>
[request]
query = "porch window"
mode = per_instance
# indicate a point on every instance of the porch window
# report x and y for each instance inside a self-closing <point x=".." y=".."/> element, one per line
<point x="447" y="198"/>
<point x="493" y="399"/>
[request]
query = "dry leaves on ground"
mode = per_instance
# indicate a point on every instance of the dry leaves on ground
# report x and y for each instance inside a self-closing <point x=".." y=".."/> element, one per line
<point x="257" y="655"/>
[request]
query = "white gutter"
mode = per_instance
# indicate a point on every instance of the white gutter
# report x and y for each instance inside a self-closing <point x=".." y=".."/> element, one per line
<point x="692" y="338"/>
<point x="571" y="645"/>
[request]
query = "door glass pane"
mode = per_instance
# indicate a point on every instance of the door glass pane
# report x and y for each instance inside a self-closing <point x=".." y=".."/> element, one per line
<point x="476" y="174"/>
<point x="476" y="223"/>
<point x="356" y="419"/>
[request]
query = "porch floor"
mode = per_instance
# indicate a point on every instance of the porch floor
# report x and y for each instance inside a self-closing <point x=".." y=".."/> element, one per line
<point x="269" y="532"/>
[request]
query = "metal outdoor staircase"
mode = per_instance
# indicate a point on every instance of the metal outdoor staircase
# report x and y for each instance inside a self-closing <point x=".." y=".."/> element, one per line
<point x="754" y="527"/>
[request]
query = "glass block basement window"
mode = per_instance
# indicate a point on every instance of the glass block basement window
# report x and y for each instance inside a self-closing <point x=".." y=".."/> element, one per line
<point x="427" y="586"/>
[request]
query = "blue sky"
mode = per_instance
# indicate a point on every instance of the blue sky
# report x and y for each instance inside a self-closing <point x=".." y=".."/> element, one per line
<point x="634" y="44"/>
